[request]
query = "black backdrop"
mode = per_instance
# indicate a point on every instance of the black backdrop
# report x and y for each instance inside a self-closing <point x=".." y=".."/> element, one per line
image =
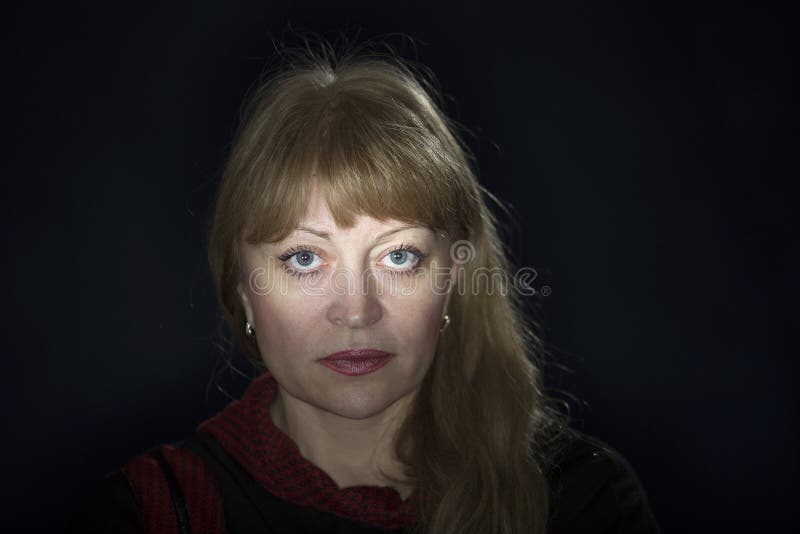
<point x="646" y="149"/>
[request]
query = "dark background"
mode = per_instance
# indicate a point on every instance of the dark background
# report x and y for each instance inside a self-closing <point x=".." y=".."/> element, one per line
<point x="646" y="149"/>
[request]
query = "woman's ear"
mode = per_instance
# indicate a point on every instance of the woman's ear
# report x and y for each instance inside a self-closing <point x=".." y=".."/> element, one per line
<point x="245" y="298"/>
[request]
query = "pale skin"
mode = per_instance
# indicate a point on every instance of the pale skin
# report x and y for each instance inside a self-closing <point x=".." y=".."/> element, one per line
<point x="345" y="424"/>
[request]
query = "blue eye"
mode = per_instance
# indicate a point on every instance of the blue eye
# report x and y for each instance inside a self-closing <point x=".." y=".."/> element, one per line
<point x="399" y="256"/>
<point x="297" y="260"/>
<point x="407" y="256"/>
<point x="304" y="258"/>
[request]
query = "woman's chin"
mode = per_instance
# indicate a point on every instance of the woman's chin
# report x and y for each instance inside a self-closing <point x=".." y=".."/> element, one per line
<point x="361" y="401"/>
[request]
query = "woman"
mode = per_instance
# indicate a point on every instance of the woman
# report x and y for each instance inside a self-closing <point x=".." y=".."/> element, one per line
<point x="350" y="247"/>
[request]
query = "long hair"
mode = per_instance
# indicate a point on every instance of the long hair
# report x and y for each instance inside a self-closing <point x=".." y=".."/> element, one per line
<point x="374" y="127"/>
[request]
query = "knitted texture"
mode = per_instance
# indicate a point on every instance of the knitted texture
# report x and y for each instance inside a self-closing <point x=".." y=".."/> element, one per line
<point x="197" y="484"/>
<point x="246" y="430"/>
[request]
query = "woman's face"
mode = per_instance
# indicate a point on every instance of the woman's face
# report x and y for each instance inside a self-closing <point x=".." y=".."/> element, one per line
<point x="379" y="285"/>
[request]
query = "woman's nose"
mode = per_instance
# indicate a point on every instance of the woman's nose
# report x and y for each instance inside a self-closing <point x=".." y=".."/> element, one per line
<point x="354" y="299"/>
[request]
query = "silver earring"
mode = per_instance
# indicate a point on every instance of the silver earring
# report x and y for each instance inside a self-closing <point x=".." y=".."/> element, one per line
<point x="445" y="323"/>
<point x="248" y="329"/>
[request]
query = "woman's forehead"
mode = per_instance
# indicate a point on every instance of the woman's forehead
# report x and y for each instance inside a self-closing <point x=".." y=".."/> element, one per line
<point x="339" y="208"/>
<point x="319" y="219"/>
<point x="365" y="226"/>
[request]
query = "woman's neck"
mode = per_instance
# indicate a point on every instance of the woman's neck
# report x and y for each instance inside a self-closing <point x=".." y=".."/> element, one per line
<point x="353" y="452"/>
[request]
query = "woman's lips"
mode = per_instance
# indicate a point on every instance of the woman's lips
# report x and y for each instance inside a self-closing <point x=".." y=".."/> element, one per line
<point x="357" y="362"/>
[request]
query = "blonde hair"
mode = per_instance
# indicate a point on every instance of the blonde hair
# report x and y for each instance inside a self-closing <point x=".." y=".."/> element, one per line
<point x="373" y="126"/>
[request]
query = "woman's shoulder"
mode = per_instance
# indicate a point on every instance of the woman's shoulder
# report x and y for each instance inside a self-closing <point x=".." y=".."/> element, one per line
<point x="593" y="488"/>
<point x="155" y="491"/>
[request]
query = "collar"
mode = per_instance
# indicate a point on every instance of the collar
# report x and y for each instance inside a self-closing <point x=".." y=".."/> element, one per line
<point x="246" y="431"/>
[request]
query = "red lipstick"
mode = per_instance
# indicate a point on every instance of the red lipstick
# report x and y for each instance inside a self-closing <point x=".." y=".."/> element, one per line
<point x="356" y="362"/>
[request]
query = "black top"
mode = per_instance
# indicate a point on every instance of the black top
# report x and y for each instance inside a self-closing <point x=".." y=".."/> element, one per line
<point x="593" y="490"/>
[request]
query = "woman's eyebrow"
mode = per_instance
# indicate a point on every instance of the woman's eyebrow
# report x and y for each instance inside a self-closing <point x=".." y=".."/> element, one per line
<point x="377" y="239"/>
<point x="380" y="237"/>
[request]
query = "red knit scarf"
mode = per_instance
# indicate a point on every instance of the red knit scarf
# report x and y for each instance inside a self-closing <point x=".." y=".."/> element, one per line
<point x="246" y="431"/>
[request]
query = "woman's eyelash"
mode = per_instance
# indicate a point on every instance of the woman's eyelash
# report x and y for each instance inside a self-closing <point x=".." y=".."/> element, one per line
<point x="294" y="251"/>
<point x="403" y="247"/>
<point x="297" y="249"/>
